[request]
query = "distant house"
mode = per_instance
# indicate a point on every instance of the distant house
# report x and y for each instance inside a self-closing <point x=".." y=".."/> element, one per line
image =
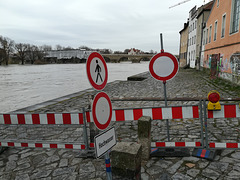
<point x="183" y="45"/>
<point x="222" y="40"/>
<point x="134" y="51"/>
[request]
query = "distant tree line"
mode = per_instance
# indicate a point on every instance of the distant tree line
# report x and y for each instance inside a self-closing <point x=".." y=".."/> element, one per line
<point x="23" y="52"/>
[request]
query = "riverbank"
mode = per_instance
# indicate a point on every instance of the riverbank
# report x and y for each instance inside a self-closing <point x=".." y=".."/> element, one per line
<point x="27" y="163"/>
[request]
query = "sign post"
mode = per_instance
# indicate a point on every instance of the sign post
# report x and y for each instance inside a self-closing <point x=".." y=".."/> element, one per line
<point x="97" y="73"/>
<point x="163" y="67"/>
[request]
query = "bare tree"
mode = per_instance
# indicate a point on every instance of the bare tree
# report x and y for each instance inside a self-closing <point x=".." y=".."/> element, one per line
<point x="59" y="47"/>
<point x="7" y="48"/>
<point x="126" y="51"/>
<point x="32" y="53"/>
<point x="22" y="51"/>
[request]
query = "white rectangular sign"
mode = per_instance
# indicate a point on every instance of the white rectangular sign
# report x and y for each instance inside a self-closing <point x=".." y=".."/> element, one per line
<point x="104" y="142"/>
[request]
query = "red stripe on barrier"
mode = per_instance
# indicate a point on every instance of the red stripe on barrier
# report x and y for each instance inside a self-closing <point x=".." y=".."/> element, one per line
<point x="210" y="114"/>
<point x="88" y="116"/>
<point x="108" y="165"/>
<point x="229" y="111"/>
<point x="35" y="119"/>
<point x="0" y="144"/>
<point x="195" y="112"/>
<point x="232" y="145"/>
<point x="203" y="153"/>
<point x="119" y="115"/>
<point x="66" y="118"/>
<point x="92" y="145"/>
<point x="51" y="119"/>
<point x="38" y="145"/>
<point x="80" y="115"/>
<point x="7" y="119"/>
<point x="157" y="113"/>
<point x="198" y="143"/>
<point x="21" y="119"/>
<point x="53" y="145"/>
<point x="137" y="113"/>
<point x="10" y="144"/>
<point x="212" y="145"/>
<point x="69" y="146"/>
<point x="24" y="144"/>
<point x="160" y="144"/>
<point x="180" y="144"/>
<point x="177" y="113"/>
<point x="83" y="147"/>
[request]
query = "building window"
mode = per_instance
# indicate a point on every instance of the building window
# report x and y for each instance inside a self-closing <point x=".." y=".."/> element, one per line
<point x="207" y="36"/>
<point x="215" y="31"/>
<point x="210" y="34"/>
<point x="223" y="25"/>
<point x="217" y="3"/>
<point x="235" y="16"/>
<point x="204" y="37"/>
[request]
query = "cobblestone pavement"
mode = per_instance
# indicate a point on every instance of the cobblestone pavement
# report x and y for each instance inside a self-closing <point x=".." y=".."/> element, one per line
<point x="27" y="163"/>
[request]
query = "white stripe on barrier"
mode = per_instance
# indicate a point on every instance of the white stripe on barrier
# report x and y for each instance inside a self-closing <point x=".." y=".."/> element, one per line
<point x="147" y="112"/>
<point x="128" y="115"/>
<point x="167" y="113"/>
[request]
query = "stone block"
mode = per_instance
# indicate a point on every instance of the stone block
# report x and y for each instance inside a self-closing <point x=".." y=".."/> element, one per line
<point x="144" y="127"/>
<point x="126" y="160"/>
<point x="144" y="136"/>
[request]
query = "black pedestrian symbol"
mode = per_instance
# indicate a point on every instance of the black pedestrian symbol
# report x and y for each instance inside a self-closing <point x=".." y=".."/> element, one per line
<point x="98" y="70"/>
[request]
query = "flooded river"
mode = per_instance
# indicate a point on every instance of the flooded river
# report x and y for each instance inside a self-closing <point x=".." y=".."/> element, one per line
<point x="22" y="86"/>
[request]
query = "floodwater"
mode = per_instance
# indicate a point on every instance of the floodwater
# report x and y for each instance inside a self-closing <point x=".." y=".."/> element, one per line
<point x="22" y="86"/>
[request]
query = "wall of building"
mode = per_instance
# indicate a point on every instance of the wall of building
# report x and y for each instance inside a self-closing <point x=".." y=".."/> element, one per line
<point x="225" y="46"/>
<point x="183" y="47"/>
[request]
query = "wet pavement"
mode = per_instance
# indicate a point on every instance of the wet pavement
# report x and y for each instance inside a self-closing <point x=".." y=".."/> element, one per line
<point x="28" y="163"/>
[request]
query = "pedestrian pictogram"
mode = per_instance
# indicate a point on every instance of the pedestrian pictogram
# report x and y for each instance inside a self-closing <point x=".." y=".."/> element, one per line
<point x="97" y="71"/>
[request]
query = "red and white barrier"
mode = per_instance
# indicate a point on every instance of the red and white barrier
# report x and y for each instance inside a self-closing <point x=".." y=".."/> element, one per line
<point x="224" y="145"/>
<point x="159" y="113"/>
<point x="227" y="111"/>
<point x="175" y="144"/>
<point x="49" y="118"/>
<point x="156" y="113"/>
<point x="43" y="145"/>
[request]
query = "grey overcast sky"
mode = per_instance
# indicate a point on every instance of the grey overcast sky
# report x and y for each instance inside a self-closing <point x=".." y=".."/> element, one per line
<point x="112" y="24"/>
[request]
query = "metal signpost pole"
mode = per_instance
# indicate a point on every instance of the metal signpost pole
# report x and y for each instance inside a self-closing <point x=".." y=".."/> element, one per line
<point x="85" y="129"/>
<point x="165" y="90"/>
<point x="108" y="166"/>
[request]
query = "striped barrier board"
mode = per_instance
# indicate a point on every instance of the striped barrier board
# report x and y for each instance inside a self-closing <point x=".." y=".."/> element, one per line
<point x="227" y="111"/>
<point x="224" y="145"/>
<point x="44" y="145"/>
<point x="175" y="144"/>
<point x="157" y="113"/>
<point x="49" y="118"/>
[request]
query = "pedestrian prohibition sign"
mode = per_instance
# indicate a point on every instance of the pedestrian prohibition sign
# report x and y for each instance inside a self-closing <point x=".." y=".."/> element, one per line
<point x="163" y="66"/>
<point x="97" y="71"/>
<point x="102" y="110"/>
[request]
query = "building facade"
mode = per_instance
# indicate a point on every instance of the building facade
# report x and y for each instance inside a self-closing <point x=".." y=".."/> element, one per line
<point x="183" y="45"/>
<point x="192" y="31"/>
<point x="203" y="13"/>
<point x="222" y="40"/>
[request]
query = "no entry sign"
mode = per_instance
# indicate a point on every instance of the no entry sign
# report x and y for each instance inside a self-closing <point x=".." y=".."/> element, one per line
<point x="97" y="71"/>
<point x="163" y="66"/>
<point x="102" y="110"/>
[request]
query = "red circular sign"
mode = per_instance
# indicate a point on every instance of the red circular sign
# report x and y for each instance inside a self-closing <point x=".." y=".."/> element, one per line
<point x="97" y="72"/>
<point x="102" y="110"/>
<point x="163" y="66"/>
